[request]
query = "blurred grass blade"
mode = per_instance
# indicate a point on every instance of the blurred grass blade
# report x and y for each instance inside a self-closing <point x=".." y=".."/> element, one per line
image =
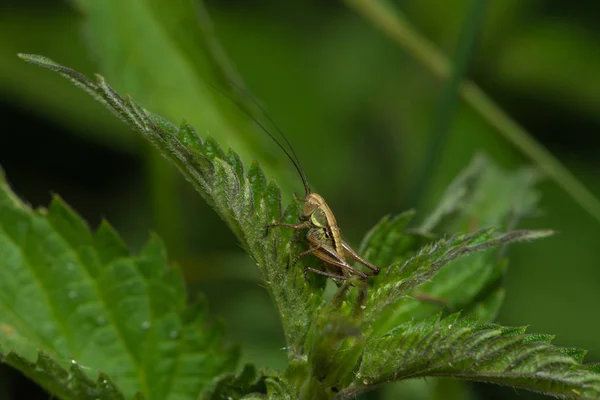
<point x="448" y="102"/>
<point x="391" y="21"/>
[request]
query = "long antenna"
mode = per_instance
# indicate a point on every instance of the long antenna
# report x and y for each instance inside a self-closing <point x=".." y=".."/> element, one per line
<point x="295" y="160"/>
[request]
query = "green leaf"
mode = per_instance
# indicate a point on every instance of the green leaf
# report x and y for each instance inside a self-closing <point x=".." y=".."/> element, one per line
<point x="246" y="208"/>
<point x="248" y="384"/>
<point x="481" y="196"/>
<point x="336" y="340"/>
<point x="394" y="294"/>
<point x="461" y="348"/>
<point x="388" y="241"/>
<point x="65" y="383"/>
<point x="279" y="389"/>
<point x="74" y="303"/>
<point x="165" y="55"/>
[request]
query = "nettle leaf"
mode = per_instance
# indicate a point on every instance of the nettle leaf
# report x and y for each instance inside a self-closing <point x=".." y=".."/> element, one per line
<point x="387" y="294"/>
<point x="336" y="340"/>
<point x="242" y="201"/>
<point x="390" y="241"/>
<point x="482" y="196"/>
<point x="354" y="319"/>
<point x="76" y="307"/>
<point x="462" y="348"/>
<point x="248" y="384"/>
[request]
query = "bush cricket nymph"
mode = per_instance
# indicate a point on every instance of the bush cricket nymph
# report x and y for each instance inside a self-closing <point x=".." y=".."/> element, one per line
<point x="323" y="233"/>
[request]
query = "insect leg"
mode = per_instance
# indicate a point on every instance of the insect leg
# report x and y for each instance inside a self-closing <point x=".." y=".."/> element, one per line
<point x="329" y="258"/>
<point x="305" y="224"/>
<point x="332" y="258"/>
<point x="353" y="255"/>
<point x="304" y="254"/>
<point x="427" y="298"/>
<point x="324" y="273"/>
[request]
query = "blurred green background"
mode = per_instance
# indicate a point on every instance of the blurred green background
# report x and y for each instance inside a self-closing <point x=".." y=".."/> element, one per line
<point x="358" y="110"/>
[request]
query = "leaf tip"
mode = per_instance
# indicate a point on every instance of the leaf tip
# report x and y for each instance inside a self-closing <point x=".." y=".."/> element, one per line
<point x="540" y="234"/>
<point x="37" y="59"/>
<point x="27" y="57"/>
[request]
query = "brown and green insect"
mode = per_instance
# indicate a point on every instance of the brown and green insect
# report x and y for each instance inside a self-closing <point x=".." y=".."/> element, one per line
<point x="326" y="241"/>
<point x="323" y="232"/>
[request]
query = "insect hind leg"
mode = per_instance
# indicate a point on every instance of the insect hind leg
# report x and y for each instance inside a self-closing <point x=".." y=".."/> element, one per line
<point x="350" y="253"/>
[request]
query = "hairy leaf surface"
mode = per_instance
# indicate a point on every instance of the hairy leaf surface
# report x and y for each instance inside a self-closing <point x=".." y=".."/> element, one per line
<point x="462" y="348"/>
<point x="74" y="303"/>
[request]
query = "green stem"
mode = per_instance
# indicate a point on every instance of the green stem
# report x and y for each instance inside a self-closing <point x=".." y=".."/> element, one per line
<point x="389" y="19"/>
<point x="446" y="108"/>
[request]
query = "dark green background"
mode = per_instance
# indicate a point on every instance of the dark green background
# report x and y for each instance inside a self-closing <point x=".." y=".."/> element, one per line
<point x="358" y="110"/>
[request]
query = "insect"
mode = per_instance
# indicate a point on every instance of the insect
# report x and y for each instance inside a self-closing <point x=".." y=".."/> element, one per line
<point x="326" y="242"/>
<point x="323" y="232"/>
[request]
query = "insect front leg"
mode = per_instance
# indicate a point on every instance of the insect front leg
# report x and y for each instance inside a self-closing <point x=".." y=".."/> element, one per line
<point x="304" y="254"/>
<point x="303" y="225"/>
